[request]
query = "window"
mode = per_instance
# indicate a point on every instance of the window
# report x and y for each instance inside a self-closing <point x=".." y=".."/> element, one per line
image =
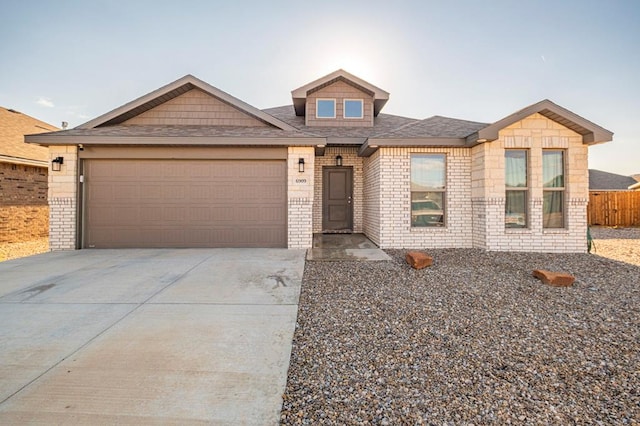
<point x="325" y="108"/>
<point x="428" y="185"/>
<point x="516" y="188"/>
<point x="353" y="108"/>
<point x="553" y="189"/>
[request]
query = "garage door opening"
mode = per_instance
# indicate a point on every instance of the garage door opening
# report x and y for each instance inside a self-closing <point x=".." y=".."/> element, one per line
<point x="184" y="203"/>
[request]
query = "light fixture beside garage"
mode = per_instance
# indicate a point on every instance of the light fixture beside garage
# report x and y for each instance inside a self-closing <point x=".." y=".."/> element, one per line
<point x="301" y="165"/>
<point x="339" y="160"/>
<point x="56" y="164"/>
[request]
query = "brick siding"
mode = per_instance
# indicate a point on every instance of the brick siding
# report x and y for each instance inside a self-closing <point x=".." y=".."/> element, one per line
<point x="24" y="214"/>
<point x="63" y="196"/>
<point x="300" y="198"/>
<point x="349" y="159"/>
<point x="533" y="133"/>
<point x="395" y="201"/>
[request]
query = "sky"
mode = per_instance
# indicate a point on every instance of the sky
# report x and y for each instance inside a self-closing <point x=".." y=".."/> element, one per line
<point x="68" y="60"/>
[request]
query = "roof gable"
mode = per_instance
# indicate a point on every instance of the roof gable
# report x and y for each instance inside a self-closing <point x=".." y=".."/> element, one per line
<point x="171" y="91"/>
<point x="195" y="108"/>
<point x="13" y="127"/>
<point x="299" y="95"/>
<point x="591" y="133"/>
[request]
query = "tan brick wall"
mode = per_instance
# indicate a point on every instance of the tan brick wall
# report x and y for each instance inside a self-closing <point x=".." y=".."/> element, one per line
<point x="300" y="198"/>
<point x="24" y="214"/>
<point x="395" y="204"/>
<point x="63" y="189"/>
<point x="534" y="133"/>
<point x="22" y="185"/>
<point x="23" y="223"/>
<point x="349" y="159"/>
<point x="195" y="107"/>
<point x="339" y="91"/>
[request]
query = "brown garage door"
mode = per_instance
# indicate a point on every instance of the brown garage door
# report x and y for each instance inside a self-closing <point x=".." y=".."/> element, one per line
<point x="185" y="203"/>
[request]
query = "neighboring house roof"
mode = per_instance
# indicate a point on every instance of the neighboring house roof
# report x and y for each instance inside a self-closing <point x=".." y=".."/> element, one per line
<point x="13" y="127"/>
<point x="635" y="186"/>
<point x="173" y="90"/>
<point x="605" y="181"/>
<point x="591" y="133"/>
<point x="299" y="95"/>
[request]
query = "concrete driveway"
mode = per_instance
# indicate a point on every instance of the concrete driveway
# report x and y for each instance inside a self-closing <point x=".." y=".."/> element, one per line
<point x="185" y="336"/>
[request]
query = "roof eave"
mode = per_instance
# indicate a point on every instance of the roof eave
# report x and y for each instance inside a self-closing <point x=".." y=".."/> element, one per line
<point x="372" y="144"/>
<point x="23" y="161"/>
<point x="181" y="82"/>
<point x="172" y="140"/>
<point x="591" y="133"/>
<point x="300" y="94"/>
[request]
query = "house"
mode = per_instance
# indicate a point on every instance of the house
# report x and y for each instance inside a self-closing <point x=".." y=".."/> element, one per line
<point x="189" y="165"/>
<point x="24" y="214"/>
<point x="605" y="181"/>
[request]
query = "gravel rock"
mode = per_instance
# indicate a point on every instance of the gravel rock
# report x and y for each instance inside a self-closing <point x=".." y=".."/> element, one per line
<point x="621" y="244"/>
<point x="26" y="248"/>
<point x="474" y="339"/>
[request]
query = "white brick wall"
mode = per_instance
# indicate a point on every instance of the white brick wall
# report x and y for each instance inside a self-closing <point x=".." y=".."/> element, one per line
<point x="62" y="219"/>
<point x="349" y="158"/>
<point x="63" y="192"/>
<point x="534" y="133"/>
<point x="395" y="201"/>
<point x="371" y="197"/>
<point x="300" y="198"/>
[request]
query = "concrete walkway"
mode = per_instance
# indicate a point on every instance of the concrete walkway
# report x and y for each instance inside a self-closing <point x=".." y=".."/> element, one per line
<point x="191" y="336"/>
<point x="336" y="247"/>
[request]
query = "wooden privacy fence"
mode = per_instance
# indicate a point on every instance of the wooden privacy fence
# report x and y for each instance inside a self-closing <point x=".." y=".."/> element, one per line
<point x="614" y="208"/>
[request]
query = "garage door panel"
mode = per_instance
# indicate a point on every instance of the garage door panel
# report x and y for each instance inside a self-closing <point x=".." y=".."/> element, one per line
<point x="185" y="203"/>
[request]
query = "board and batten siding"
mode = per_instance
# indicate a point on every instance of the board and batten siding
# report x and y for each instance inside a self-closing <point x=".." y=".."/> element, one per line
<point x="198" y="108"/>
<point x="339" y="91"/>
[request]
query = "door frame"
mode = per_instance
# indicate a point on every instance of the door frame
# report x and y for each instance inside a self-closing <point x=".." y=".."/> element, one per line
<point x="325" y="191"/>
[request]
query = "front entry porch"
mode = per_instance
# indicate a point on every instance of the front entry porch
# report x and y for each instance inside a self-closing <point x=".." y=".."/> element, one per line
<point x="344" y="247"/>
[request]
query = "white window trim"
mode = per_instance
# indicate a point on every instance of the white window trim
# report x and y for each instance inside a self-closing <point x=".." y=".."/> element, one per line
<point x="563" y="189"/>
<point x="445" y="191"/>
<point x="334" y="107"/>
<point x="526" y="189"/>
<point x="344" y="109"/>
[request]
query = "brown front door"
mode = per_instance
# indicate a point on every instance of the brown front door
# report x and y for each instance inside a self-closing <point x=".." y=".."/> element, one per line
<point x="337" y="192"/>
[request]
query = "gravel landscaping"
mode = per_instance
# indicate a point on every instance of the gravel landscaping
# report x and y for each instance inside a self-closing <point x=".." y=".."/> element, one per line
<point x="474" y="339"/>
<point x="10" y="251"/>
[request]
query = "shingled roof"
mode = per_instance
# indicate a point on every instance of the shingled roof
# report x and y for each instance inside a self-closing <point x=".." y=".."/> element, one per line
<point x="605" y="181"/>
<point x="436" y="127"/>
<point x="383" y="123"/>
<point x="13" y="126"/>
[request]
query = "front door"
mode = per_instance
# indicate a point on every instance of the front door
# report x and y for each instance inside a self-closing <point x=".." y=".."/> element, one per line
<point x="337" y="205"/>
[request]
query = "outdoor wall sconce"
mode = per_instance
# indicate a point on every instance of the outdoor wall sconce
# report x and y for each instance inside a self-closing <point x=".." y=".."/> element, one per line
<point x="339" y="160"/>
<point x="56" y="164"/>
<point x="301" y="165"/>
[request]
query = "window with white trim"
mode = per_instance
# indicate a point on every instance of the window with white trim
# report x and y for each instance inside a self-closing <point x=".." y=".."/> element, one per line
<point x="553" y="189"/>
<point x="325" y="108"/>
<point x="353" y="108"/>
<point x="516" y="188"/>
<point x="428" y="190"/>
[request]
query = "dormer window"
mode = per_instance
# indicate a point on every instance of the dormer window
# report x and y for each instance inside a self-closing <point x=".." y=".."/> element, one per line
<point x="325" y="108"/>
<point x="353" y="108"/>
